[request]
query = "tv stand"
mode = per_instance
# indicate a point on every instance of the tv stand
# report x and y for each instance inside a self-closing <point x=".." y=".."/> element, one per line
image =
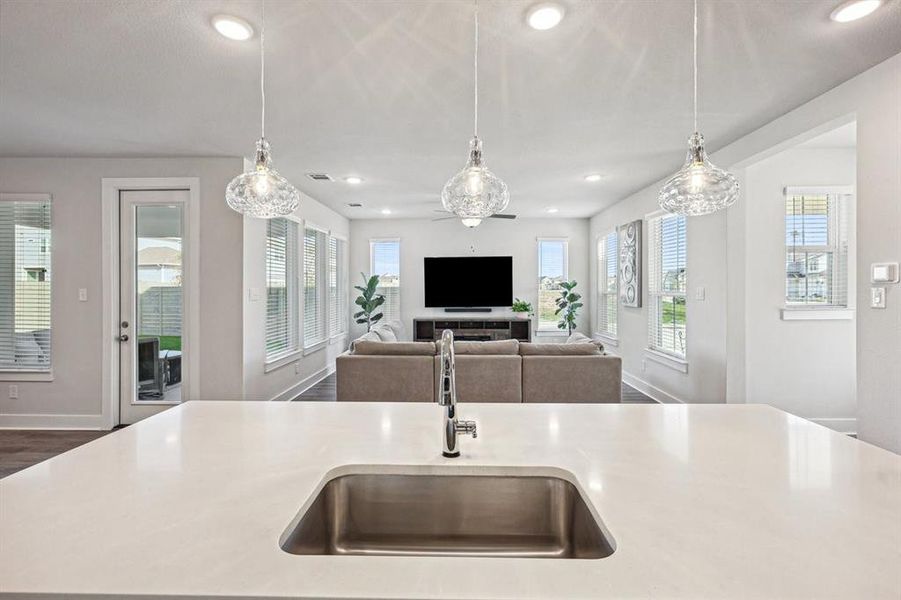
<point x="483" y="330"/>
<point x="467" y="310"/>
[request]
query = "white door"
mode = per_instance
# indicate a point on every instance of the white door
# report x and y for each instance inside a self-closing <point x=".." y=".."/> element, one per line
<point x="152" y="335"/>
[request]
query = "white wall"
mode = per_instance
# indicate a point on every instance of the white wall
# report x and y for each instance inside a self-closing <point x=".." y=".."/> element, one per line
<point x="423" y="237"/>
<point x="73" y="398"/>
<point x="705" y="347"/>
<point x="873" y="99"/>
<point x="807" y="368"/>
<point x="293" y="377"/>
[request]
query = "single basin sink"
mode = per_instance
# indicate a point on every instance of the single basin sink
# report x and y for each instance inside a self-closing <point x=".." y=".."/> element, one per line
<point x="448" y="515"/>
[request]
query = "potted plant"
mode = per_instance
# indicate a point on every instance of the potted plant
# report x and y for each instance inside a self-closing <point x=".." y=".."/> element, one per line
<point x="368" y="301"/>
<point x="568" y="306"/>
<point x="522" y="309"/>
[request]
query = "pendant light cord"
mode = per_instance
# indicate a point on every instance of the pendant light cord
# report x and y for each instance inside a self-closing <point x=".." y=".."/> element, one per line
<point x="696" y="66"/>
<point x="263" y="67"/>
<point x="475" y="68"/>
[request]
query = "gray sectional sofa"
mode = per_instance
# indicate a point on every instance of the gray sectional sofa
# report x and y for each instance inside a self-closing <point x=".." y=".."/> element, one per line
<point x="381" y="370"/>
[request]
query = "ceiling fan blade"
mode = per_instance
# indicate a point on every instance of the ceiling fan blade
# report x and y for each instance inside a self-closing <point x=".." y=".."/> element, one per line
<point x="444" y="218"/>
<point x="439" y="210"/>
<point x="501" y="216"/>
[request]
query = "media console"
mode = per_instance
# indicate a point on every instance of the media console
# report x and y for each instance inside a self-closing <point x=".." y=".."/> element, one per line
<point x="483" y="330"/>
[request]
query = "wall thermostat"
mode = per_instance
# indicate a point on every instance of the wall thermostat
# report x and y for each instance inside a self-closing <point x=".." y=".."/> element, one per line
<point x="884" y="273"/>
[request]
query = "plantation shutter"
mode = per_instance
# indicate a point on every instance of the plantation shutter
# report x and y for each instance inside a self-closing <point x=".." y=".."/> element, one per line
<point x="333" y="308"/>
<point x="342" y="285"/>
<point x="384" y="256"/>
<point x="314" y="318"/>
<point x="281" y="288"/>
<point x="816" y="247"/>
<point x="25" y="276"/>
<point x="607" y="277"/>
<point x="667" y="284"/>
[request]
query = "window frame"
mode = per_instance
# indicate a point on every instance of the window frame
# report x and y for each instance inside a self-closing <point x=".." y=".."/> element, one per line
<point x="839" y="203"/>
<point x="545" y="329"/>
<point x="400" y="275"/>
<point x="655" y="290"/>
<point x="31" y="373"/>
<point x="320" y="286"/>
<point x="602" y="293"/>
<point x="274" y="361"/>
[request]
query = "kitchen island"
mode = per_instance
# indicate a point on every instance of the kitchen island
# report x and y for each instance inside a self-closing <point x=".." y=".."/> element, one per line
<point x="701" y="501"/>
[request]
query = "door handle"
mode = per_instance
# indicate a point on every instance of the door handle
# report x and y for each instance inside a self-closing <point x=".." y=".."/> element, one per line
<point x="123" y="337"/>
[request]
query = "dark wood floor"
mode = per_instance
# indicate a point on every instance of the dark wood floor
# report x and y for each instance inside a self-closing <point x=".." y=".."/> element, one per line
<point x="21" y="449"/>
<point x="326" y="391"/>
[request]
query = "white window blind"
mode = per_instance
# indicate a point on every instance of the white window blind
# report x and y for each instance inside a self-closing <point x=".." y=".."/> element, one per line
<point x="314" y="316"/>
<point x="281" y="288"/>
<point x="25" y="276"/>
<point x="384" y="261"/>
<point x="816" y="248"/>
<point x="337" y="287"/>
<point x="666" y="284"/>
<point x="553" y="270"/>
<point x="607" y="272"/>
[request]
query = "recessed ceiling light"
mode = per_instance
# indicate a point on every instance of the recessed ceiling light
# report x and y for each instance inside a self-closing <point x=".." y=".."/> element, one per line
<point x="353" y="180"/>
<point x="546" y="15"/>
<point x="386" y="211"/>
<point x="234" y="28"/>
<point x="853" y="10"/>
<point x="592" y="178"/>
<point x="551" y="210"/>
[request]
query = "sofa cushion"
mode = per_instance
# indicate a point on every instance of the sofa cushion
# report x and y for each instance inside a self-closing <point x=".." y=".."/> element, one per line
<point x="367" y="347"/>
<point x="574" y="349"/>
<point x="495" y="347"/>
<point x="369" y="336"/>
<point x="581" y="338"/>
<point x="384" y="332"/>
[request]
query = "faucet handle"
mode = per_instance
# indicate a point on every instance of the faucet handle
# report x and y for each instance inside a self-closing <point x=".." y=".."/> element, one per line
<point x="467" y="428"/>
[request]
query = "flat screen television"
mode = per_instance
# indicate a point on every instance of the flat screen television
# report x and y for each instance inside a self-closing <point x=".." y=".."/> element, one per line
<point x="468" y="281"/>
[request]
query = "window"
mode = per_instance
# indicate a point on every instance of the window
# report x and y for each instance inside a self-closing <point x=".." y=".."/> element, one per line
<point x="384" y="261"/>
<point x="607" y="271"/>
<point x="666" y="284"/>
<point x="553" y="270"/>
<point x="314" y="249"/>
<point x="337" y="287"/>
<point x="25" y="279"/>
<point x="281" y="288"/>
<point x="816" y="248"/>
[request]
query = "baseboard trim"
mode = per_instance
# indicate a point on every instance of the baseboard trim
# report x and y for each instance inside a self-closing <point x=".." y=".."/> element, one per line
<point x="650" y="390"/>
<point x="304" y="384"/>
<point x="54" y="421"/>
<point x="846" y="425"/>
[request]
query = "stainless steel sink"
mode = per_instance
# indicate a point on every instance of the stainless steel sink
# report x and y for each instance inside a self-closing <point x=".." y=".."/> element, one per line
<point x="448" y="515"/>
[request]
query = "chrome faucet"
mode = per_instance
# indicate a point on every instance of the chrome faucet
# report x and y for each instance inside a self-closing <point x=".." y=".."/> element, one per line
<point x="447" y="397"/>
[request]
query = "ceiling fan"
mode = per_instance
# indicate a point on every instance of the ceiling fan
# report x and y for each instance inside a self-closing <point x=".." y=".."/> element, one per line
<point x="451" y="215"/>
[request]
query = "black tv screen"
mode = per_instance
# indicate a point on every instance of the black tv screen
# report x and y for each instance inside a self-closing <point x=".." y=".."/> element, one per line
<point x="468" y="281"/>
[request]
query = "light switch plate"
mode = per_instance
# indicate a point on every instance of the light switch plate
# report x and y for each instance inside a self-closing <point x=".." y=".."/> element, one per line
<point x="82" y="294"/>
<point x="877" y="297"/>
<point x="255" y="294"/>
<point x="700" y="293"/>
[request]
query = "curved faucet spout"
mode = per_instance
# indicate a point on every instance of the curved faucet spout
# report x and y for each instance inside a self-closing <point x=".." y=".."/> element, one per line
<point x="447" y="397"/>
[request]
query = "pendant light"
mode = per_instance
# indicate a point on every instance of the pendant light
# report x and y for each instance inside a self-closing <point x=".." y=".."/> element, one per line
<point x="261" y="192"/>
<point x="475" y="193"/>
<point x="700" y="187"/>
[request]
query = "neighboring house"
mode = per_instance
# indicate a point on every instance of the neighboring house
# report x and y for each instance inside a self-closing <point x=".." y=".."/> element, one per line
<point x="158" y="266"/>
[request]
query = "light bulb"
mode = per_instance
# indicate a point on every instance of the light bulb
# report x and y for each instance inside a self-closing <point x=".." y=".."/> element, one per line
<point x="471" y="222"/>
<point x="696" y="178"/>
<point x="261" y="183"/>
<point x="474" y="182"/>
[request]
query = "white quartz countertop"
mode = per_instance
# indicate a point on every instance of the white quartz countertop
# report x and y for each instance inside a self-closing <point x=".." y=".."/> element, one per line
<point x="703" y="501"/>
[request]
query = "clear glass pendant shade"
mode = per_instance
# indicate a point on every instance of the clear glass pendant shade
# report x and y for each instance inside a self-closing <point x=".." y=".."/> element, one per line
<point x="262" y="192"/>
<point x="700" y="187"/>
<point x="475" y="193"/>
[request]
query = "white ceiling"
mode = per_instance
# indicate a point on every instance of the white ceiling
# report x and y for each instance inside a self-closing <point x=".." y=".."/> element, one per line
<point x="382" y="89"/>
<point x="840" y="137"/>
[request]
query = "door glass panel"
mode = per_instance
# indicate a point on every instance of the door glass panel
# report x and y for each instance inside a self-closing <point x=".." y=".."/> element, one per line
<point x="159" y="302"/>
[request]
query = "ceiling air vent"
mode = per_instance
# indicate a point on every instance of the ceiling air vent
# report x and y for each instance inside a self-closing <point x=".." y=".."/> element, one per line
<point x="355" y="205"/>
<point x="320" y="176"/>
